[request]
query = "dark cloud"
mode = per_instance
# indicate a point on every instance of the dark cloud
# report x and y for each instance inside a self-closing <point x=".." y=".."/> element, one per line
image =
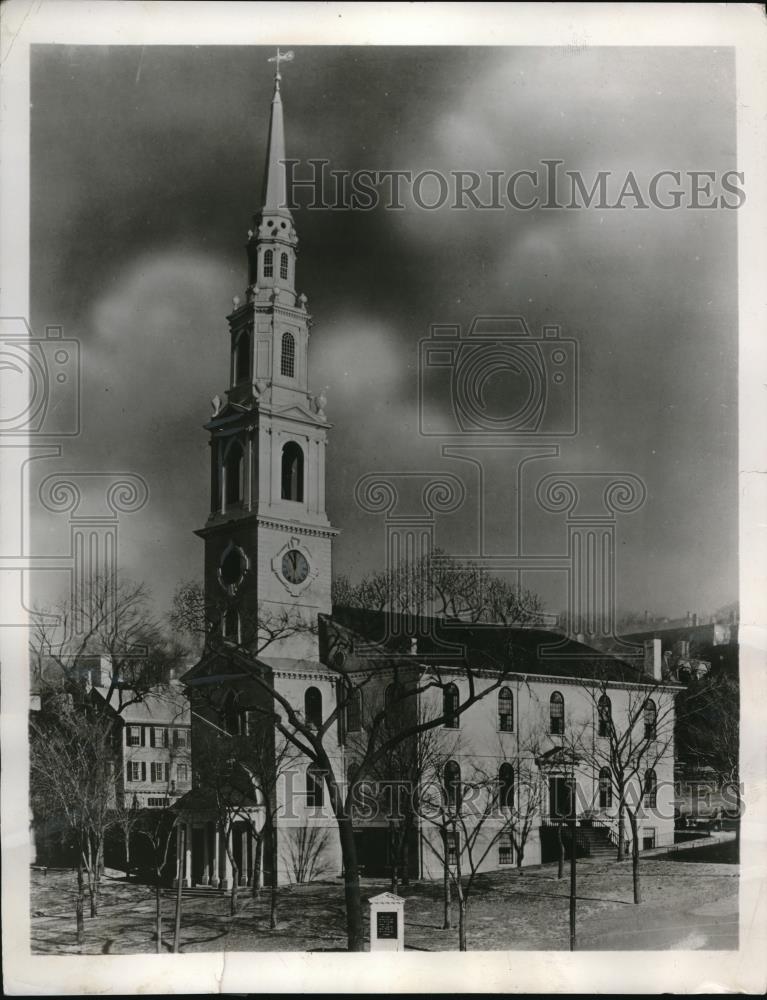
<point x="147" y="169"/>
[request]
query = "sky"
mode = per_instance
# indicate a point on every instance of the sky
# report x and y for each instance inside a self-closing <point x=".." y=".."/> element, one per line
<point x="146" y="171"/>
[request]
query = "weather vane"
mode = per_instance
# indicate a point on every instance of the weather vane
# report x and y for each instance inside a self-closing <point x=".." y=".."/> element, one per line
<point x="280" y="57"/>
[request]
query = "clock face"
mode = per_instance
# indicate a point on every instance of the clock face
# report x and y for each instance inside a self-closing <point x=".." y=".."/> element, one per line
<point x="295" y="568"/>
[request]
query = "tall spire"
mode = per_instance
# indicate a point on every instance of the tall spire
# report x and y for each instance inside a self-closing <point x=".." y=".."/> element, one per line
<point x="274" y="198"/>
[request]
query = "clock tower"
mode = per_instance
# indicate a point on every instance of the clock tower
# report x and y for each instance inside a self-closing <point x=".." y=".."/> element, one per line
<point x="267" y="538"/>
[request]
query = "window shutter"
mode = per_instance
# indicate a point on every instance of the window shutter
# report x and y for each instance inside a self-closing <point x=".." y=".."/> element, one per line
<point x="152" y="742"/>
<point x="143" y="770"/>
<point x="128" y="775"/>
<point x="167" y="773"/>
<point x="143" y="736"/>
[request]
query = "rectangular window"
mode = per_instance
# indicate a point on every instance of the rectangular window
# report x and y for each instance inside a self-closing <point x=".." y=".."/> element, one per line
<point x="451" y="848"/>
<point x="505" y="850"/>
<point x="156" y="802"/>
<point x="182" y="772"/>
<point x="158" y="736"/>
<point x="133" y="736"/>
<point x="133" y="771"/>
<point x="648" y="838"/>
<point x="160" y="771"/>
<point x="180" y="738"/>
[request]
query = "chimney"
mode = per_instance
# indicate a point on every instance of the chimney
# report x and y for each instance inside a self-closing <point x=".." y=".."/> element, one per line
<point x="689" y="618"/>
<point x="695" y="618"/>
<point x="646" y="617"/>
<point x="653" y="658"/>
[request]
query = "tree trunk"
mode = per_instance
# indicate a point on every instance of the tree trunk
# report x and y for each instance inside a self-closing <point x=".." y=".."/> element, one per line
<point x="461" y="914"/>
<point x="258" y="853"/>
<point x="158" y="915"/>
<point x="447" y="921"/>
<point x="235" y="884"/>
<point x="561" y="858"/>
<point x="635" y="857"/>
<point x="180" y="850"/>
<point x="405" y="860"/>
<point x="355" y="928"/>
<point x="126" y="835"/>
<point x="273" y="893"/>
<point x="79" y="902"/>
<point x="621" y="827"/>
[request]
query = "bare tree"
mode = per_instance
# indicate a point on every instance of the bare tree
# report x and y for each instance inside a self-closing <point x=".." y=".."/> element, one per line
<point x="111" y="619"/>
<point x="72" y="758"/>
<point x="436" y="584"/>
<point x="306" y="853"/>
<point x="479" y="676"/>
<point x="630" y="743"/>
<point x="198" y="617"/>
<point x="158" y="828"/>
<point x="466" y="811"/>
<point x="708" y="730"/>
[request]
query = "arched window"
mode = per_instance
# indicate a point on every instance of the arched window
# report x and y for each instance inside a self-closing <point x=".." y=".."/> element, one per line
<point x="450" y="706"/>
<point x="650" y="788"/>
<point x="453" y="785"/>
<point x="604" y="716"/>
<point x="232" y="624"/>
<point x="269" y="264"/>
<point x="313" y="707"/>
<point x="242" y="357"/>
<point x="284" y="265"/>
<point x="556" y="714"/>
<point x="391" y="694"/>
<point x="354" y="712"/>
<point x="292" y="472"/>
<point x="506" y="786"/>
<point x="233" y="473"/>
<point x="650" y="719"/>
<point x="506" y="710"/>
<point x="315" y="788"/>
<point x="288" y="356"/>
<point x="605" y="789"/>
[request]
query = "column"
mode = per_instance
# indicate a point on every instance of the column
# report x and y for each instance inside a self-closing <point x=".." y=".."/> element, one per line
<point x="188" y="857"/>
<point x="205" y="855"/>
<point x="215" y="879"/>
<point x="226" y="881"/>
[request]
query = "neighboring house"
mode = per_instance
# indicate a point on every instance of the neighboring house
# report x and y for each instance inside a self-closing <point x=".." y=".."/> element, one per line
<point x="153" y="742"/>
<point x="268" y="551"/>
<point x="690" y="649"/>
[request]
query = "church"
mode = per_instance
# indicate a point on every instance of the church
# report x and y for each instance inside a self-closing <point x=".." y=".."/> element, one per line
<point x="295" y="702"/>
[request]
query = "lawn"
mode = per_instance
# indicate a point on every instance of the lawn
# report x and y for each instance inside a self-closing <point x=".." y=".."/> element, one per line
<point x="687" y="901"/>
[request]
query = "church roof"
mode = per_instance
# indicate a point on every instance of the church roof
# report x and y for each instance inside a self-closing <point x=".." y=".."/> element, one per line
<point x="485" y="646"/>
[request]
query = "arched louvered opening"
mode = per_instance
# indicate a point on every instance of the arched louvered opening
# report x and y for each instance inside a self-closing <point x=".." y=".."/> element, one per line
<point x="292" y="472"/>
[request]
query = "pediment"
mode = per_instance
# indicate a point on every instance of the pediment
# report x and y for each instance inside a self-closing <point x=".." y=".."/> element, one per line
<point x="296" y="412"/>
